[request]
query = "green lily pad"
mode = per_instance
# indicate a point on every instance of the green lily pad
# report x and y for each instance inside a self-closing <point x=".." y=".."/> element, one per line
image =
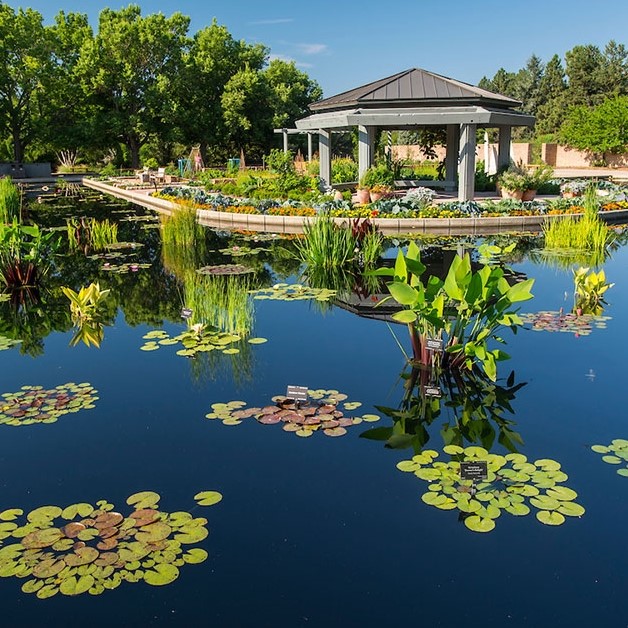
<point x="550" y="518"/>
<point x="76" y="586"/>
<point x="571" y="509"/>
<point x="144" y="499"/>
<point x="208" y="498"/>
<point x="478" y="524"/>
<point x="612" y="459"/>
<point x="195" y="556"/>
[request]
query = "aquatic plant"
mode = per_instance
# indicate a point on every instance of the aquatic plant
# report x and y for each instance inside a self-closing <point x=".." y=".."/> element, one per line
<point x="301" y="418"/>
<point x="220" y="301"/>
<point x="589" y="290"/>
<point x="570" y="322"/>
<point x="325" y="243"/>
<point x="91" y="233"/>
<point x="195" y="340"/>
<point x="85" y="548"/>
<point x="513" y="485"/>
<point x="7" y="343"/>
<point x="10" y="201"/>
<point x="615" y="453"/>
<point x="466" y="310"/>
<point x="85" y="304"/>
<point x="293" y="292"/>
<point x="225" y="269"/>
<point x="34" y="404"/>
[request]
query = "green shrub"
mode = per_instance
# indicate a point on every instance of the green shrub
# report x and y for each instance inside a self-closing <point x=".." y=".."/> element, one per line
<point x="10" y="201"/>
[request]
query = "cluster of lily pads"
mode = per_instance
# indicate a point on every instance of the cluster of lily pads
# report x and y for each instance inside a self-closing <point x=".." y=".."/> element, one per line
<point x="196" y="340"/>
<point x="119" y="259"/>
<point x="7" y="343"/>
<point x="225" y="269"/>
<point x="89" y="549"/>
<point x="513" y="485"/>
<point x="34" y="404"/>
<point x="615" y="453"/>
<point x="301" y="418"/>
<point x="564" y="321"/>
<point x="293" y="292"/>
<point x="241" y="250"/>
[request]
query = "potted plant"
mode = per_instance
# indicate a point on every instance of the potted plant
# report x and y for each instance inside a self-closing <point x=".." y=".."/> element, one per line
<point x="362" y="195"/>
<point x="513" y="183"/>
<point x="380" y="191"/>
<point x="535" y="179"/>
<point x="571" y="189"/>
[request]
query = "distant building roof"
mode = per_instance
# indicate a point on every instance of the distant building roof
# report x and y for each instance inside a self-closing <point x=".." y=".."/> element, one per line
<point x="413" y="88"/>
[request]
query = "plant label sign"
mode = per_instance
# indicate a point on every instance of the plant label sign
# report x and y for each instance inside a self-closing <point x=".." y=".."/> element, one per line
<point x="434" y="344"/>
<point x="297" y="393"/>
<point x="186" y="313"/>
<point x="474" y="470"/>
<point x="431" y="391"/>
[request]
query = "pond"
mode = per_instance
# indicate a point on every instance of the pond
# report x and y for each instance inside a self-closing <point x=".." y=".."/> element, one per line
<point x="323" y="530"/>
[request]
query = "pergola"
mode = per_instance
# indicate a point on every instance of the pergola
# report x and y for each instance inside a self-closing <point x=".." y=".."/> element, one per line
<point x="412" y="99"/>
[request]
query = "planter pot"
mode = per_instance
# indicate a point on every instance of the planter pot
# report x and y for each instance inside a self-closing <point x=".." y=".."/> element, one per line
<point x="570" y="194"/>
<point x="516" y="194"/>
<point x="362" y="196"/>
<point x="338" y="195"/>
<point x="376" y="196"/>
<point x="528" y="195"/>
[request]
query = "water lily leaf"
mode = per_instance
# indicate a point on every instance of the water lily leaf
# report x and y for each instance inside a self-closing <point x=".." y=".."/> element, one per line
<point x="149" y="346"/>
<point x="600" y="449"/>
<point x="475" y="452"/>
<point x="11" y="514"/>
<point x="82" y="556"/>
<point x="571" y="509"/>
<point x="47" y="591"/>
<point x="48" y="567"/>
<point x="453" y="450"/>
<point x="370" y="418"/>
<point x="41" y="538"/>
<point x="408" y="466"/>
<point x="543" y="502"/>
<point x="74" y="586"/>
<point x="335" y="431"/>
<point x="517" y="509"/>
<point x="77" y="510"/>
<point x="32" y="586"/>
<point x="207" y="498"/>
<point x="611" y="459"/>
<point x="161" y="574"/>
<point x="144" y="499"/>
<point x="44" y="513"/>
<point x="195" y="556"/>
<point x="562" y="493"/>
<point x="191" y="534"/>
<point x="550" y="518"/>
<point x="477" y="524"/>
<point x="623" y="472"/>
<point x="433" y="499"/>
<point x="547" y="464"/>
<point x="257" y="341"/>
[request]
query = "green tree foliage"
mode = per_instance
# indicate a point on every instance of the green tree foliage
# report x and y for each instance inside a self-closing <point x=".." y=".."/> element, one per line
<point x="130" y="66"/>
<point x="601" y="129"/>
<point x="25" y="61"/>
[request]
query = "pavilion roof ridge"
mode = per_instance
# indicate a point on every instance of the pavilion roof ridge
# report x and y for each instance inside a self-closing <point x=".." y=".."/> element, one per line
<point x="414" y="85"/>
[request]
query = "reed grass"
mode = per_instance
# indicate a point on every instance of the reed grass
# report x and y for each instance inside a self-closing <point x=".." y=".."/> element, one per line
<point x="326" y="244"/>
<point x="102" y="233"/>
<point x="10" y="201"/>
<point x="221" y="302"/>
<point x="183" y="242"/>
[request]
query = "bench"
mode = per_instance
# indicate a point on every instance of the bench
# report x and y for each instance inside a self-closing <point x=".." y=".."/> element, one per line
<point x="428" y="183"/>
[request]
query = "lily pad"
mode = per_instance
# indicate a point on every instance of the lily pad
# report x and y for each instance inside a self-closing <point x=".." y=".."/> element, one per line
<point x="550" y="518"/>
<point x="479" y="524"/>
<point x="208" y="498"/>
<point x="161" y="574"/>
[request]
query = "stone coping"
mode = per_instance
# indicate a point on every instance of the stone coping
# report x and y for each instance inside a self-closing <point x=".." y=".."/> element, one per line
<point x="388" y="226"/>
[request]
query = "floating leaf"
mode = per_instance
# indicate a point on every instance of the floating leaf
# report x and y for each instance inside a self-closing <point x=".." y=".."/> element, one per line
<point x="478" y="524"/>
<point x="550" y="518"/>
<point x="161" y="574"/>
<point x="208" y="498"/>
<point x="76" y="586"/>
<point x="257" y="341"/>
<point x="195" y="556"/>
<point x="144" y="499"/>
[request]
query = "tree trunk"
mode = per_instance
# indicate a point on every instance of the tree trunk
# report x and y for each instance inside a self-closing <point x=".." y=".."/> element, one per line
<point x="134" y="145"/>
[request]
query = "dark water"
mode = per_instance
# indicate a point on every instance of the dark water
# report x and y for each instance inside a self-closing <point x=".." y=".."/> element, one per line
<point x="324" y="531"/>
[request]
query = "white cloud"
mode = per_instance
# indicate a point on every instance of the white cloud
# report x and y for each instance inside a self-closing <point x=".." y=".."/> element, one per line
<point x="280" y="20"/>
<point x="301" y="64"/>
<point x="312" y="49"/>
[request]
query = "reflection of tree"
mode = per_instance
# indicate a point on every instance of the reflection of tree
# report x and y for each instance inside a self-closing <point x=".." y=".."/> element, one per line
<point x="474" y="409"/>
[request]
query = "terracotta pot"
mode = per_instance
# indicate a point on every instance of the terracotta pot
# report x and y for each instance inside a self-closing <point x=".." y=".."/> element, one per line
<point x="528" y="195"/>
<point x="516" y="194"/>
<point x="376" y="196"/>
<point x="338" y="195"/>
<point x="569" y="195"/>
<point x="362" y="196"/>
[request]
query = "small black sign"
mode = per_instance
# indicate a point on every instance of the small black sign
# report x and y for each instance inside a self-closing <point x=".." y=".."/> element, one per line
<point x="434" y="344"/>
<point x="474" y="470"/>
<point x="186" y="312"/>
<point x="298" y="393"/>
<point x="431" y="391"/>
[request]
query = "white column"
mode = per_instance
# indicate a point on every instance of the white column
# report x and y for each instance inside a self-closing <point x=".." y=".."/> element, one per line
<point x="453" y="149"/>
<point x="366" y="138"/>
<point x="309" y="146"/>
<point x="324" y="155"/>
<point x="466" y="169"/>
<point x="503" y="147"/>
<point x="285" y="140"/>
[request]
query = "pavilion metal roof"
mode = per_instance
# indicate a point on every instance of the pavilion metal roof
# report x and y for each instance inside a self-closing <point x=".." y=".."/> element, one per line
<point x="413" y="88"/>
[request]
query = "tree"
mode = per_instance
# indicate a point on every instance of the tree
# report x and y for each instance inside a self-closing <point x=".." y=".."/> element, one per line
<point x="602" y="129"/>
<point x="614" y="71"/>
<point x="248" y="112"/>
<point x="213" y="59"/>
<point x="131" y="66"/>
<point x="25" y="61"/>
<point x="551" y="110"/>
<point x="584" y="70"/>
<point x="292" y="92"/>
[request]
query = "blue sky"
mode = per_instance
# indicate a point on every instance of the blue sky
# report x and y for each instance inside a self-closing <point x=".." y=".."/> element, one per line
<point x="343" y="43"/>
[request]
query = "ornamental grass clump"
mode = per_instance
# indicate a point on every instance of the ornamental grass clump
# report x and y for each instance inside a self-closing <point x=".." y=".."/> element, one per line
<point x="587" y="232"/>
<point x="10" y="201"/>
<point x="325" y="243"/>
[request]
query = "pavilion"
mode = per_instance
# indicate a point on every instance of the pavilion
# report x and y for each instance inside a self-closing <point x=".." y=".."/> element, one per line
<point x="412" y="99"/>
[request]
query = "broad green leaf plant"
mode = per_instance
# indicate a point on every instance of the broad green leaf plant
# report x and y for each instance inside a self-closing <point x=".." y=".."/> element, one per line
<point x="467" y="310"/>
